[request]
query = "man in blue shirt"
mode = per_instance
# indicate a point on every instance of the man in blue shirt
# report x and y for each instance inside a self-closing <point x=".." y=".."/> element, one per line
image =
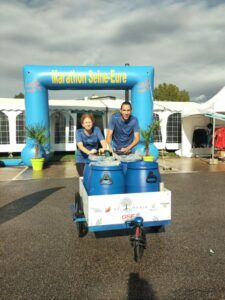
<point x="123" y="130"/>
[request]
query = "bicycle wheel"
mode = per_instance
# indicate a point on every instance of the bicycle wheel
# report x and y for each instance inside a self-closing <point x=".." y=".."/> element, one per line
<point x="139" y="244"/>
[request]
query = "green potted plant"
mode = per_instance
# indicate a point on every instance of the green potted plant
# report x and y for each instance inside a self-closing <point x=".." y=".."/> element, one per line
<point x="38" y="133"/>
<point x="147" y="135"/>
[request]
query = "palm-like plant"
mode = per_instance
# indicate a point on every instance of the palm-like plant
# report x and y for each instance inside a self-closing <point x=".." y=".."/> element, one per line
<point x="38" y="134"/>
<point x="148" y="134"/>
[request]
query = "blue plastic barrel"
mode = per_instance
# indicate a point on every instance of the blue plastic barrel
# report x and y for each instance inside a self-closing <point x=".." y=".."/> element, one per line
<point x="125" y="165"/>
<point x="142" y="177"/>
<point x="126" y="160"/>
<point x="106" y="180"/>
<point x="86" y="174"/>
<point x="87" y="171"/>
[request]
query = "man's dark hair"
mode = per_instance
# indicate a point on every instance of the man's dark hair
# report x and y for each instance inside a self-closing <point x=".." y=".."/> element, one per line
<point x="126" y="103"/>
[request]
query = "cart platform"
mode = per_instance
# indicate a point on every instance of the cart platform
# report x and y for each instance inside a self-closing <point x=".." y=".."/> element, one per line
<point x="111" y="212"/>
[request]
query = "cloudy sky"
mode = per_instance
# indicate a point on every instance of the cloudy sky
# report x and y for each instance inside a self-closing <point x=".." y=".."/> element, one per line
<point x="183" y="40"/>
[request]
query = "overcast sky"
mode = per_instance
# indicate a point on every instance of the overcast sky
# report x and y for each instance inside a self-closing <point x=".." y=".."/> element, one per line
<point x="183" y="40"/>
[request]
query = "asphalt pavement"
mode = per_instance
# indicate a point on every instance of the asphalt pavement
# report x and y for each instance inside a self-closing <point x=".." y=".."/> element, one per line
<point x="41" y="256"/>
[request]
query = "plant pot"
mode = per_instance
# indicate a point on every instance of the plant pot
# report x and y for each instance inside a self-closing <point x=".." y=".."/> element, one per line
<point x="37" y="163"/>
<point x="148" y="158"/>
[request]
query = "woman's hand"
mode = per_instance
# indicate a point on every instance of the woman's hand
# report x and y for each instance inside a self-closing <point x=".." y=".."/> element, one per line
<point x="101" y="150"/>
<point x="93" y="151"/>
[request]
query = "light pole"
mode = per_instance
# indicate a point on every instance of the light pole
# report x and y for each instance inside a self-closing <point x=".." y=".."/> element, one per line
<point x="127" y="91"/>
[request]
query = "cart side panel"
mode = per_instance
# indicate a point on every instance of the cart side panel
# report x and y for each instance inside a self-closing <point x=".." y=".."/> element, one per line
<point x="113" y="210"/>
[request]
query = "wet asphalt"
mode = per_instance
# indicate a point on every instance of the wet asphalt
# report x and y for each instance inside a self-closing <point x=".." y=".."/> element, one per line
<point x="41" y="256"/>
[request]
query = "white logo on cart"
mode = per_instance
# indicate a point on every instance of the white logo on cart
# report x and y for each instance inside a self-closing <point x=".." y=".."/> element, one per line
<point x="107" y="209"/>
<point x="153" y="207"/>
<point x="126" y="204"/>
<point x="96" y="209"/>
<point x="165" y="204"/>
<point x="99" y="221"/>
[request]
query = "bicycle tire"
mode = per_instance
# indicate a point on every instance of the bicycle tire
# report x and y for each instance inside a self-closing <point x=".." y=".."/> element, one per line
<point x="138" y="251"/>
<point x="138" y="247"/>
<point x="139" y="244"/>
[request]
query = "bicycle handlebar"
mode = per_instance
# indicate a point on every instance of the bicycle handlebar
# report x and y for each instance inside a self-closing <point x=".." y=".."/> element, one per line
<point x="119" y="152"/>
<point x="138" y="221"/>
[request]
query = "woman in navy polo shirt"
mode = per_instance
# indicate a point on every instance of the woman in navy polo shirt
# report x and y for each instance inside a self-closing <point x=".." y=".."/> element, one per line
<point x="87" y="138"/>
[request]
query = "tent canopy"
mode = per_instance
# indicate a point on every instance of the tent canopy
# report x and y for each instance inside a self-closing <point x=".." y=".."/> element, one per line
<point x="214" y="105"/>
<point x="8" y="104"/>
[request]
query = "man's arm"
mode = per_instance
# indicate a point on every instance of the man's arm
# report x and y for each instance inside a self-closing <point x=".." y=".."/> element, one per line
<point x="104" y="146"/>
<point x="109" y="138"/>
<point x="134" y="143"/>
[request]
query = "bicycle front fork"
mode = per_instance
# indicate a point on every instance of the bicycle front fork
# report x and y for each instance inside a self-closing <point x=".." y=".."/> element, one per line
<point x="137" y="237"/>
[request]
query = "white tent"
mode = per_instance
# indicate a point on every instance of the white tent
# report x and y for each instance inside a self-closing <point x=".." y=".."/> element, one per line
<point x="199" y="114"/>
<point x="194" y="109"/>
<point x="213" y="109"/>
<point x="216" y="103"/>
<point x="193" y="115"/>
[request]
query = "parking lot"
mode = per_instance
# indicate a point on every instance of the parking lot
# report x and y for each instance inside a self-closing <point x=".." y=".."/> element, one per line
<point x="41" y="256"/>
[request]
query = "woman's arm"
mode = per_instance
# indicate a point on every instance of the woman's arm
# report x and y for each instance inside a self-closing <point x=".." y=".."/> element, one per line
<point x="85" y="150"/>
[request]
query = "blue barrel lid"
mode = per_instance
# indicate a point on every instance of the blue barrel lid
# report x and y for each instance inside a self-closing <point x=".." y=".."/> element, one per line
<point x="142" y="165"/>
<point x="129" y="161"/>
<point x="106" y="168"/>
<point x="88" y="161"/>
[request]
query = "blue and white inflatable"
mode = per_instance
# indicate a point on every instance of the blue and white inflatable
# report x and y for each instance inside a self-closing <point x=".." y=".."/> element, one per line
<point x="39" y="79"/>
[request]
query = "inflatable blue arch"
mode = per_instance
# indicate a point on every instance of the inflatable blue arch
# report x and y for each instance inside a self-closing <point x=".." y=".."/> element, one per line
<point x="39" y="79"/>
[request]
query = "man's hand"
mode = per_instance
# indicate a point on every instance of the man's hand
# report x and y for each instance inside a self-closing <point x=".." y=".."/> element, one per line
<point x="125" y="150"/>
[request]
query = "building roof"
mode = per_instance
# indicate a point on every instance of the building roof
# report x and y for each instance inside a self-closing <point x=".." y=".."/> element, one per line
<point x="11" y="104"/>
<point x="103" y="103"/>
<point x="173" y="106"/>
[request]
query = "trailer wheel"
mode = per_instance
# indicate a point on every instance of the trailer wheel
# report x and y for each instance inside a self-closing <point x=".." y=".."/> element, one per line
<point x="78" y="206"/>
<point x="82" y="227"/>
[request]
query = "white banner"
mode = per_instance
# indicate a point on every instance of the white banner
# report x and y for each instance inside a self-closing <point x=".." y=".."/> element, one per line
<point x="116" y="209"/>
